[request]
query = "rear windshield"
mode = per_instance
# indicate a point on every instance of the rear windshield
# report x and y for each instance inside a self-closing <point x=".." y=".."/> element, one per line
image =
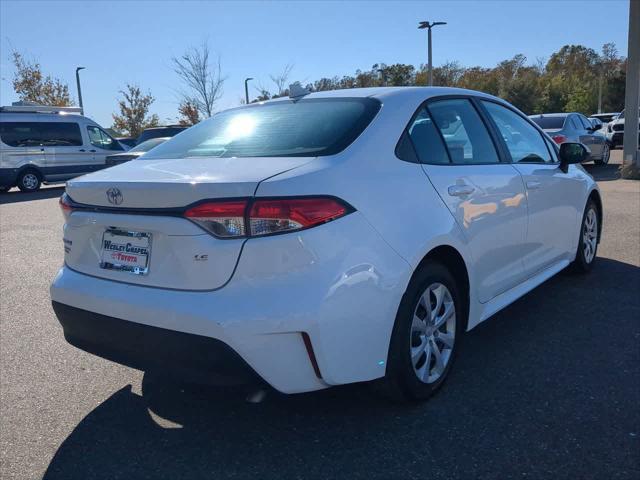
<point x="159" y="132"/>
<point x="306" y="128"/>
<point x="549" y="123"/>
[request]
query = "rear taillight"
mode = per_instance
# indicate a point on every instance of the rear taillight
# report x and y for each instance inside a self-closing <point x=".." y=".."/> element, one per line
<point x="223" y="219"/>
<point x="65" y="206"/>
<point x="228" y="219"/>
<point x="559" y="139"/>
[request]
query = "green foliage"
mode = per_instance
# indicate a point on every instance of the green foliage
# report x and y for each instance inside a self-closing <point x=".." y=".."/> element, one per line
<point x="568" y="81"/>
<point x="32" y="86"/>
<point x="134" y="107"/>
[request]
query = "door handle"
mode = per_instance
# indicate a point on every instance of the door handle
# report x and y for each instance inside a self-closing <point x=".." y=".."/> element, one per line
<point x="460" y="190"/>
<point x="92" y="151"/>
<point x="533" y="185"/>
<point x="82" y="150"/>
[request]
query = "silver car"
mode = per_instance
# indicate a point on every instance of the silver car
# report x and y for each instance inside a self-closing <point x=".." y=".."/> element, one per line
<point x="575" y="127"/>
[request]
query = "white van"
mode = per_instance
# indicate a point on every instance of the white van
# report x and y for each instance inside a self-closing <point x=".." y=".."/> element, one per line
<point x="48" y="145"/>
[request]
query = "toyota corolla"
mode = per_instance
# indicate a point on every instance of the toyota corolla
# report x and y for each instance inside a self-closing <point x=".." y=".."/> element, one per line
<point x="323" y="239"/>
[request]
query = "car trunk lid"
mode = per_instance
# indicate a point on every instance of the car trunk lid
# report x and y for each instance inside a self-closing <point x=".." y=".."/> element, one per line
<point x="129" y="225"/>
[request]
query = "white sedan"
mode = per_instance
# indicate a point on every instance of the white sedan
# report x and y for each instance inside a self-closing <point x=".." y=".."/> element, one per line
<point x="329" y="238"/>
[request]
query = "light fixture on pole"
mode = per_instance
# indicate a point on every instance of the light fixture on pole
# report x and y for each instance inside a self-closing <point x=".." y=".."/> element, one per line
<point x="79" y="91"/>
<point x="246" y="89"/>
<point x="429" y="26"/>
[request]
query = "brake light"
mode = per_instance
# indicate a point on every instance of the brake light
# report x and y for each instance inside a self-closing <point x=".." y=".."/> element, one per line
<point x="223" y="219"/>
<point x="65" y="206"/>
<point x="285" y="215"/>
<point x="227" y="219"/>
<point x="559" y="139"/>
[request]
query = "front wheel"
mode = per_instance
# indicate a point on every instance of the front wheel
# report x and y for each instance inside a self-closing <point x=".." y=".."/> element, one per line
<point x="426" y="334"/>
<point x="29" y="181"/>
<point x="606" y="154"/>
<point x="588" y="242"/>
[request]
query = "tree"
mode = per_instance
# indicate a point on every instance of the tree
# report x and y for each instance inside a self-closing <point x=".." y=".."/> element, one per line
<point x="281" y="78"/>
<point x="202" y="78"/>
<point x="134" y="107"/>
<point x="189" y="114"/>
<point x="32" y="86"/>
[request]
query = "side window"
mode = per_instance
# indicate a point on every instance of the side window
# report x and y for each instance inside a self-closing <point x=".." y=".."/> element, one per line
<point x="524" y="142"/>
<point x="575" y="123"/>
<point x="467" y="139"/>
<point x="59" y="134"/>
<point x="426" y="140"/>
<point x="585" y="123"/>
<point x="100" y="139"/>
<point x="553" y="148"/>
<point x="20" y="134"/>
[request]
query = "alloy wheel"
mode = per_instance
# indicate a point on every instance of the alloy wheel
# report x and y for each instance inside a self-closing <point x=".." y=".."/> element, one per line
<point x="30" y="181"/>
<point x="590" y="235"/>
<point x="433" y="330"/>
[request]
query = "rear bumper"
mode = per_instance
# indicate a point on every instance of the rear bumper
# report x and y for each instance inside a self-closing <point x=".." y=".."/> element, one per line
<point x="145" y="347"/>
<point x="338" y="285"/>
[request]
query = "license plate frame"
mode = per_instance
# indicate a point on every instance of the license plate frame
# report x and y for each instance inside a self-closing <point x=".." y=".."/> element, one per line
<point x="125" y="251"/>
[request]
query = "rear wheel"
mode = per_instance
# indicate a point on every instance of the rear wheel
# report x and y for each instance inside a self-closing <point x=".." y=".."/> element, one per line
<point x="428" y="327"/>
<point x="588" y="242"/>
<point x="606" y="153"/>
<point x="29" y="181"/>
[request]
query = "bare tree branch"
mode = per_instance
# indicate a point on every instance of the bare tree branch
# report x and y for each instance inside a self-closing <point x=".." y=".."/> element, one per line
<point x="281" y="79"/>
<point x="202" y="78"/>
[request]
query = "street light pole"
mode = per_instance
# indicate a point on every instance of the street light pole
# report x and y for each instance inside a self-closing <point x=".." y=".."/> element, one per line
<point x="429" y="26"/>
<point x="246" y="89"/>
<point x="631" y="153"/>
<point x="79" y="91"/>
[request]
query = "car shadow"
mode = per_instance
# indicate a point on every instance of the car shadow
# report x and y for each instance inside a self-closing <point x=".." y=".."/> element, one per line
<point x="535" y="388"/>
<point x="16" y="196"/>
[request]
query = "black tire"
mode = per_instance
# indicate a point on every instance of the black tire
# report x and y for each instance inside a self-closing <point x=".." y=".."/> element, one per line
<point x="606" y="154"/>
<point x="584" y="261"/>
<point x="401" y="382"/>
<point x="29" y="181"/>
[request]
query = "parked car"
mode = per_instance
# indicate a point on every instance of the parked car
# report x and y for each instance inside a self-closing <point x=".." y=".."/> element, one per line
<point x="321" y="240"/>
<point x="597" y="125"/>
<point x="615" y="131"/>
<point x="575" y="127"/>
<point x="48" y="145"/>
<point x="135" y="152"/>
<point x="128" y="142"/>
<point x="605" y="117"/>
<point x="156" y="132"/>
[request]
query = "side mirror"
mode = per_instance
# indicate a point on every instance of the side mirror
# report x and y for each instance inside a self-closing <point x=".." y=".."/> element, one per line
<point x="596" y="126"/>
<point x="572" y="153"/>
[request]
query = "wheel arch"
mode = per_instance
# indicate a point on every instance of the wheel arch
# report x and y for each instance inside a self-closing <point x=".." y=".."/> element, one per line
<point x="453" y="260"/>
<point x="30" y="167"/>
<point x="597" y="199"/>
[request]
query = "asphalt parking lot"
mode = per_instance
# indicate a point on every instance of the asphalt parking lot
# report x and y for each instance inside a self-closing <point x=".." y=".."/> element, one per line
<point x="548" y="388"/>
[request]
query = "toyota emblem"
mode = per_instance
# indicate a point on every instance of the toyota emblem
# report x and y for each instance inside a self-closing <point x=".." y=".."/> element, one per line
<point x="114" y="195"/>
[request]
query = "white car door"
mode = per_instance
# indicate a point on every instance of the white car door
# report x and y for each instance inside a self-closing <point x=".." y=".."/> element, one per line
<point x="552" y="194"/>
<point x="485" y="196"/>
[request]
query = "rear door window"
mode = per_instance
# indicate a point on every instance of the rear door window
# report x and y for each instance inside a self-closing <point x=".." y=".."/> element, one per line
<point x="524" y="142"/>
<point x="464" y="133"/>
<point x="21" y="134"/>
<point x="61" y="134"/>
<point x="426" y="140"/>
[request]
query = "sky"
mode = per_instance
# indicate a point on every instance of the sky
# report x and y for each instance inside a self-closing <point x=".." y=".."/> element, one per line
<point x="133" y="42"/>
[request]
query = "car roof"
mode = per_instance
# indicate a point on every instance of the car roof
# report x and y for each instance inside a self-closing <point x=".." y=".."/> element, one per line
<point x="541" y="115"/>
<point x="43" y="117"/>
<point x="384" y="93"/>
